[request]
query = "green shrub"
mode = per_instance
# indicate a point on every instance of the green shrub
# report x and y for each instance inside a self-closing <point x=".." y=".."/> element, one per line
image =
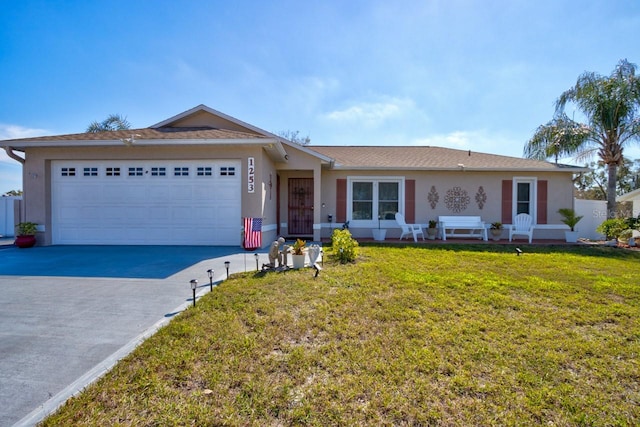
<point x="27" y="228"/>
<point x="634" y="223"/>
<point x="569" y="217"/>
<point x="613" y="228"/>
<point x="345" y="247"/>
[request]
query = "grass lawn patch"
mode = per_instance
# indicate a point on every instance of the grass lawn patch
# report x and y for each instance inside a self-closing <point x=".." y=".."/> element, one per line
<point x="447" y="335"/>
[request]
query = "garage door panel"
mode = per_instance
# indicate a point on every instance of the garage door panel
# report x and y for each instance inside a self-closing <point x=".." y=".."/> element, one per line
<point x="113" y="214"/>
<point x="226" y="193"/>
<point x="69" y="213"/>
<point x="135" y="193"/>
<point x="145" y="209"/>
<point x="91" y="213"/>
<point x="181" y="192"/>
<point x="204" y="212"/>
<point x="160" y="214"/>
<point x="158" y="193"/>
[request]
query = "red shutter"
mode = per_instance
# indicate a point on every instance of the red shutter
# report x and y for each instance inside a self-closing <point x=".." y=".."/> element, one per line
<point x="542" y="202"/>
<point x="507" y="201"/>
<point x="341" y="201"/>
<point x="410" y="201"/>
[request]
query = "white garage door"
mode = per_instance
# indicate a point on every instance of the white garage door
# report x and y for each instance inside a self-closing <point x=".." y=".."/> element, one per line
<point x="146" y="202"/>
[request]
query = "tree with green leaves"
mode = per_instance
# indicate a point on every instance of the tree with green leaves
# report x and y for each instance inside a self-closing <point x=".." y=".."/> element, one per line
<point x="294" y="136"/>
<point x="113" y="122"/>
<point x="592" y="185"/>
<point x="610" y="105"/>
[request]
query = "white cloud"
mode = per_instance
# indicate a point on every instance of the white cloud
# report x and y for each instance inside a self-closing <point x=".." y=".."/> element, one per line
<point x="372" y="113"/>
<point x="10" y="169"/>
<point x="16" y="132"/>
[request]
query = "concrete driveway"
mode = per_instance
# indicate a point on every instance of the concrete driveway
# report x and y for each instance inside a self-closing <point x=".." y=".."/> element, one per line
<point x="69" y="313"/>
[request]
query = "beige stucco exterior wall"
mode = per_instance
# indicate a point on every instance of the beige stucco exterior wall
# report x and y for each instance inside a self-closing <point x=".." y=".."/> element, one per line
<point x="37" y="176"/>
<point x="265" y="203"/>
<point x="300" y="165"/>
<point x="559" y="187"/>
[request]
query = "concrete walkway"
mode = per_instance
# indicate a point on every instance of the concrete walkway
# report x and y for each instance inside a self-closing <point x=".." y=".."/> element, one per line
<point x="59" y="331"/>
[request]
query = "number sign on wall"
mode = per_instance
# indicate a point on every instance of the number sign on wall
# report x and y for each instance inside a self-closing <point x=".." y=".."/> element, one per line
<point x="251" y="171"/>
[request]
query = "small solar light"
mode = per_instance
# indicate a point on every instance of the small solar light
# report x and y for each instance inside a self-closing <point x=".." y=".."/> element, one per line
<point x="322" y="257"/>
<point x="194" y="285"/>
<point x="210" y="273"/>
<point x="257" y="258"/>
<point x="518" y="251"/>
<point x="226" y="265"/>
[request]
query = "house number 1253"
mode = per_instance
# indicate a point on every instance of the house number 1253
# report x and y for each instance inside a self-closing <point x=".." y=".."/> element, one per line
<point x="251" y="175"/>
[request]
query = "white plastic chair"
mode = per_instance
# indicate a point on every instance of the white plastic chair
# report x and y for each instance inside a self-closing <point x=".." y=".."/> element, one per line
<point x="522" y="226"/>
<point x="413" y="229"/>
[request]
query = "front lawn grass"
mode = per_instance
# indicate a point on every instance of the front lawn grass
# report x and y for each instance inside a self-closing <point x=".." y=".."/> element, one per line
<point x="448" y="335"/>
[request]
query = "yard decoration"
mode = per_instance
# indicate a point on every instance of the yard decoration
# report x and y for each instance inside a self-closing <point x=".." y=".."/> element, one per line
<point x="26" y="234"/>
<point x="277" y="256"/>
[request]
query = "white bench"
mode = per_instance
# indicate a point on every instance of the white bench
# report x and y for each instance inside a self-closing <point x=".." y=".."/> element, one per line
<point x="472" y="224"/>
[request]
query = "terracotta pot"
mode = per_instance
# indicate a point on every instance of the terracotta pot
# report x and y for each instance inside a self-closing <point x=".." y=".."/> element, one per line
<point x="25" y="241"/>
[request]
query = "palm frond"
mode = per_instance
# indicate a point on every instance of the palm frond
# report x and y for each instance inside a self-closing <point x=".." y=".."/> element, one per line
<point x="559" y="137"/>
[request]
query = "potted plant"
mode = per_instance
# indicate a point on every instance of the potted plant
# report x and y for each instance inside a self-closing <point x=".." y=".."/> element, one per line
<point x="297" y="253"/>
<point x="432" y="229"/>
<point x="496" y="230"/>
<point x="379" y="233"/>
<point x="26" y="234"/>
<point x="570" y="218"/>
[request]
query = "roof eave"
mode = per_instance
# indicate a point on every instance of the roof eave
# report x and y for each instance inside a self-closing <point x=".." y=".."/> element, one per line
<point x="457" y="169"/>
<point x="630" y="196"/>
<point x="24" y="144"/>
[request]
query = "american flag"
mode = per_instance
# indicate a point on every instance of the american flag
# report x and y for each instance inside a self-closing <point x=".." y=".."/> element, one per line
<point x="252" y="233"/>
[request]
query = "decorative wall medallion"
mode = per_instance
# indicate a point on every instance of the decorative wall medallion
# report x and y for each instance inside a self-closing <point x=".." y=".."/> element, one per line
<point x="481" y="197"/>
<point x="456" y="199"/>
<point x="433" y="197"/>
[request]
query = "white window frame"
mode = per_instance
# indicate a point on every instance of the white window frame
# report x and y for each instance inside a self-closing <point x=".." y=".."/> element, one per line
<point x="533" y="195"/>
<point x="373" y="223"/>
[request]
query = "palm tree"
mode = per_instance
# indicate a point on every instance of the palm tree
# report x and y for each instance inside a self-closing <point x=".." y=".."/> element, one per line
<point x="113" y="122"/>
<point x="609" y="104"/>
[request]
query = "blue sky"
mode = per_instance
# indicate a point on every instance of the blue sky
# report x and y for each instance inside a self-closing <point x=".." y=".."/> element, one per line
<point x="479" y="75"/>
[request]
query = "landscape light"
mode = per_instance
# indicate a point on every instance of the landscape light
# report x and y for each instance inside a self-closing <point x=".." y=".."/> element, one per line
<point x="194" y="285"/>
<point x="210" y="273"/>
<point x="257" y="258"/>
<point x="226" y="265"/>
<point x="518" y="251"/>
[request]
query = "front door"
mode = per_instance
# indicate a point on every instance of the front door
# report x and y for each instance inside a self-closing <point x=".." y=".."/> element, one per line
<point x="300" y="206"/>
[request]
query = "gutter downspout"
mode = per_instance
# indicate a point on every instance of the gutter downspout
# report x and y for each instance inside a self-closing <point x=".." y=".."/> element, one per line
<point x="13" y="155"/>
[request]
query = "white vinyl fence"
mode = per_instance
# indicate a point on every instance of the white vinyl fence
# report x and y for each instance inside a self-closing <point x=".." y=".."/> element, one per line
<point x="594" y="212"/>
<point x="8" y="208"/>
